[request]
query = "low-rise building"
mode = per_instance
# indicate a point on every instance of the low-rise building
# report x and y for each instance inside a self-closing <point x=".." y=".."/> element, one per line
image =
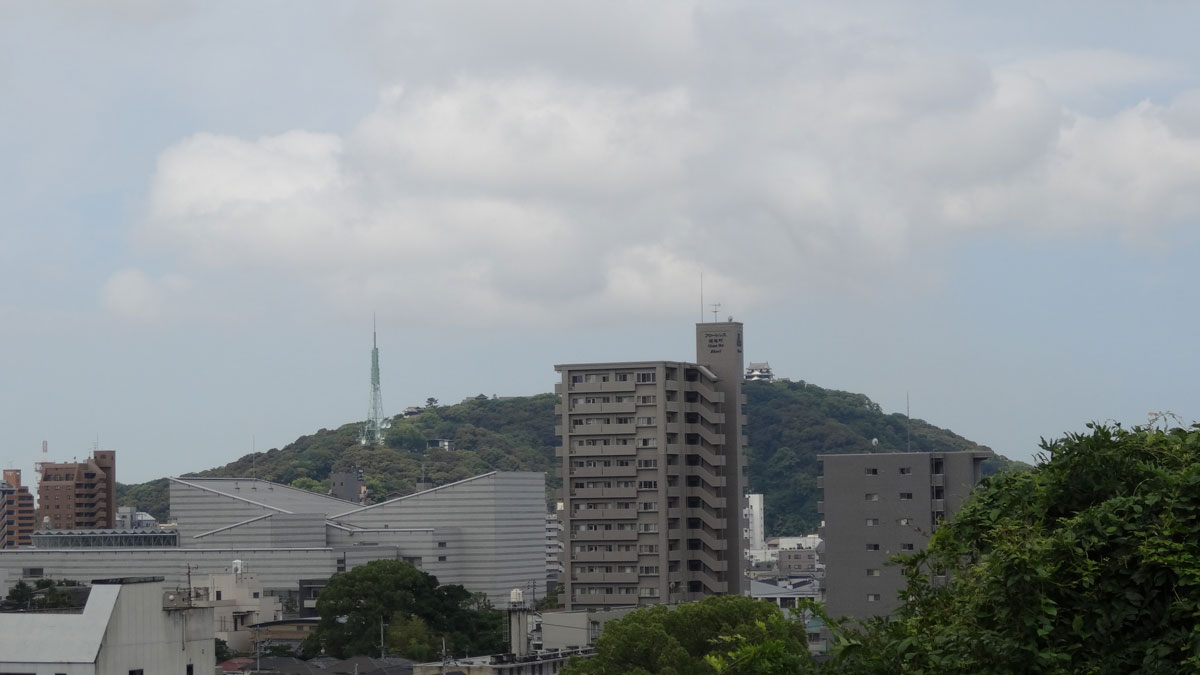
<point x="128" y="626"/>
<point x="238" y="602"/>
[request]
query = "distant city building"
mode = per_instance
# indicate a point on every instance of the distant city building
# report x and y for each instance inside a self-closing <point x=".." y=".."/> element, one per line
<point x="554" y="549"/>
<point x="16" y="511"/>
<point x="756" y="372"/>
<point x="652" y="465"/>
<point x="130" y="519"/>
<point x="439" y="444"/>
<point x="238" y="602"/>
<point x="78" y="495"/>
<point x="878" y="505"/>
<point x="129" y="625"/>
<point x="486" y="533"/>
<point x="754" y="522"/>
<point x="348" y="486"/>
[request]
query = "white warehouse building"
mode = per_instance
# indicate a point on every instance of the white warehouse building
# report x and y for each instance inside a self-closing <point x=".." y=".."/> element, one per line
<point x="486" y="533"/>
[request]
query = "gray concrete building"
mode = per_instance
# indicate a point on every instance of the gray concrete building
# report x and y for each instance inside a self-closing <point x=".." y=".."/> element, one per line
<point x="486" y="533"/>
<point x="876" y="505"/>
<point x="652" y="465"/>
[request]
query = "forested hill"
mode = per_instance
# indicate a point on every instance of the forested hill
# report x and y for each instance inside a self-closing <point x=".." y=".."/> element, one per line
<point x="789" y="425"/>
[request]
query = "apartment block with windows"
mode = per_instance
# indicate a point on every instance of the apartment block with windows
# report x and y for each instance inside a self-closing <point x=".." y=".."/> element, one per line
<point x="652" y="466"/>
<point x="16" y="511"/>
<point x="876" y="505"/>
<point x="79" y="495"/>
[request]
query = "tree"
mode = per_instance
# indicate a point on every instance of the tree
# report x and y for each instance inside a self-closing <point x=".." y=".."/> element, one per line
<point x="1088" y="563"/>
<point x="309" y="484"/>
<point x="663" y="641"/>
<point x="20" y="594"/>
<point x="354" y="604"/>
<point x="222" y="651"/>
<point x="405" y="436"/>
<point x="431" y="402"/>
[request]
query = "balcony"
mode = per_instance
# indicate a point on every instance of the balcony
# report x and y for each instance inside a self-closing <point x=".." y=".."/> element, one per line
<point x="603" y="514"/>
<point x="595" y="387"/>
<point x="586" y="493"/>
<point x="604" y="535"/>
<point x="606" y="578"/>
<point x="603" y="450"/>
<point x="603" y="471"/>
<point x="937" y="480"/>
<point x="604" y="408"/>
<point x="607" y="599"/>
<point x="604" y="556"/>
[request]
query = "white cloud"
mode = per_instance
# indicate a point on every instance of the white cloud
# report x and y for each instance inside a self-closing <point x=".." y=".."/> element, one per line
<point x="516" y="194"/>
<point x="1075" y="72"/>
<point x="132" y="294"/>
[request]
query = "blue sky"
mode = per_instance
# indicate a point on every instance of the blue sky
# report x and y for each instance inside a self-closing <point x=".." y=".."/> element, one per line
<point x="990" y="209"/>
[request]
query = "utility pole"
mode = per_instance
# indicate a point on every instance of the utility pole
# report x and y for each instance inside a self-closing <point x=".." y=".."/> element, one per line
<point x="381" y="654"/>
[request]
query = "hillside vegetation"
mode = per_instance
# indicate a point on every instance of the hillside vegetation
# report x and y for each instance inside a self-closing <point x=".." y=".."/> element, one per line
<point x="789" y="425"/>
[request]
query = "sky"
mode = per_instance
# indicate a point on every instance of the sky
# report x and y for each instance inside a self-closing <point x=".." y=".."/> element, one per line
<point x="988" y="210"/>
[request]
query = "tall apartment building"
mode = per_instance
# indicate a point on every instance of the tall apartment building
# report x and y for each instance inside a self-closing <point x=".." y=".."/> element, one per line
<point x="79" y="496"/>
<point x="16" y="511"/>
<point x="652" y="465"/>
<point x="877" y="505"/>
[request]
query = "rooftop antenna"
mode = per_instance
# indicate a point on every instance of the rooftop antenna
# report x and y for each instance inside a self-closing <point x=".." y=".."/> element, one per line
<point x="716" y="309"/>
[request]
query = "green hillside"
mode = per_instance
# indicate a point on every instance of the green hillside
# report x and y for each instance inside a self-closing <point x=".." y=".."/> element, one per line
<point x="789" y="424"/>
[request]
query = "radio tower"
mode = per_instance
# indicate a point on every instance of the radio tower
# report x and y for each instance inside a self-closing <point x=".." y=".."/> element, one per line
<point x="372" y="433"/>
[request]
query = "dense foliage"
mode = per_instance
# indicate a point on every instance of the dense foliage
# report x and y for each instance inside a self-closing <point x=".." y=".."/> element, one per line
<point x="790" y="424"/>
<point x="416" y="610"/>
<point x="688" y="640"/>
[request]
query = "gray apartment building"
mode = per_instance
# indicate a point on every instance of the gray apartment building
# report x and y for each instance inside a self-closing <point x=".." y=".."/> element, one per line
<point x="652" y="467"/>
<point x="877" y="505"/>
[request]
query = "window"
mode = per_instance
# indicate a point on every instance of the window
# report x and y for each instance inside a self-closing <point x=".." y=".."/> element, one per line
<point x="872" y="547"/>
<point x="648" y="400"/>
<point x="905" y="470"/>
<point x="906" y="547"/>
<point x="648" y="485"/>
<point x="906" y="496"/>
<point x="872" y="496"/>
<point x="622" y="377"/>
<point x="255" y="595"/>
<point x="136" y="672"/>
<point x="190" y="671"/>
<point x="872" y="597"/>
<point x="646" y="377"/>
<point x="648" y="506"/>
<point x="647" y="548"/>
<point x="872" y="572"/>
<point x="647" y="463"/>
<point x="647" y="442"/>
<point x="645" y="421"/>
<point x="218" y="595"/>
<point x="647" y="527"/>
<point x="872" y="522"/>
<point x="648" y="569"/>
<point x="871" y="471"/>
<point x="441" y="544"/>
<point x="906" y="521"/>
<point x="441" y="558"/>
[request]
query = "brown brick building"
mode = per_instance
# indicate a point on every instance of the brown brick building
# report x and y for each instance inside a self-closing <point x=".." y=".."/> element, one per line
<point x="16" y="511"/>
<point x="79" y="496"/>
